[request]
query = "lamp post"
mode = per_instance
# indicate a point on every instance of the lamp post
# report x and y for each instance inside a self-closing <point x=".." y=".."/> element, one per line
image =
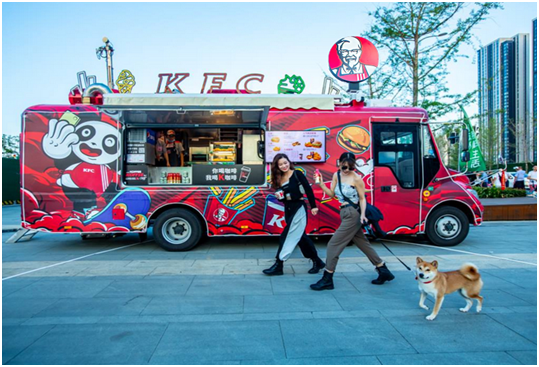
<point x="107" y="51"/>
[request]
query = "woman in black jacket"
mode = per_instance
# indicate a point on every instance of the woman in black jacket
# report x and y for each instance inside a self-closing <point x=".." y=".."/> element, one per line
<point x="291" y="185"/>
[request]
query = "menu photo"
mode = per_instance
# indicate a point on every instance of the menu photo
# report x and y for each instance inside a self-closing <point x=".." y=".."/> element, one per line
<point x="299" y="146"/>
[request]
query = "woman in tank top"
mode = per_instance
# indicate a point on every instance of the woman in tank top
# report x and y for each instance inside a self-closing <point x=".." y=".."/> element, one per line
<point x="351" y="223"/>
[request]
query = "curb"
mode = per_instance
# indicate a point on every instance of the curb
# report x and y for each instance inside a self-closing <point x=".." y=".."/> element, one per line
<point x="10" y="202"/>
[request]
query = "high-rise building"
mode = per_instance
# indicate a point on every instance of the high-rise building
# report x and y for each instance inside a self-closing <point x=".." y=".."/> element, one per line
<point x="534" y="89"/>
<point x="503" y="78"/>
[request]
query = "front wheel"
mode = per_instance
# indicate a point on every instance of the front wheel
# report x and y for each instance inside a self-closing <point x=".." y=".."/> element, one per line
<point x="447" y="226"/>
<point x="177" y="230"/>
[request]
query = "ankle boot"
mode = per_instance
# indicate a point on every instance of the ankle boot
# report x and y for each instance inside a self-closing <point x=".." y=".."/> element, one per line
<point x="318" y="265"/>
<point x="275" y="269"/>
<point x="325" y="283"/>
<point x="383" y="275"/>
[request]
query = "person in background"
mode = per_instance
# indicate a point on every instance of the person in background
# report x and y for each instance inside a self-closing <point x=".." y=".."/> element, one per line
<point x="174" y="150"/>
<point x="289" y="183"/>
<point x="350" y="228"/>
<point x="520" y="175"/>
<point x="484" y="178"/>
<point x="532" y="176"/>
<point x="161" y="155"/>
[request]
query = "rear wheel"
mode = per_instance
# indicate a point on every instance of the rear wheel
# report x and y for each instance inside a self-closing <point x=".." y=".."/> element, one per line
<point x="177" y="230"/>
<point x="447" y="226"/>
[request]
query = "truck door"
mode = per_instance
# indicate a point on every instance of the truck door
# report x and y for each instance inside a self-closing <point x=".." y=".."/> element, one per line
<point x="396" y="184"/>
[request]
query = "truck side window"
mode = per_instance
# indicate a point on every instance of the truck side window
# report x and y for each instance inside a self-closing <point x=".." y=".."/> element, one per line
<point x="431" y="164"/>
<point x="396" y="147"/>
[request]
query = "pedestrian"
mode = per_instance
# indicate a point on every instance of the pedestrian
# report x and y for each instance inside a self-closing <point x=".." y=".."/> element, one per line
<point x="532" y="177"/>
<point x="291" y="185"/>
<point x="174" y="150"/>
<point x="350" y="228"/>
<point x="519" y="179"/>
<point x="484" y="179"/>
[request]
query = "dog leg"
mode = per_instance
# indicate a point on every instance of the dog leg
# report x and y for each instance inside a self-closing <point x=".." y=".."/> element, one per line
<point x="479" y="306"/>
<point x="422" y="299"/>
<point x="437" y="305"/>
<point x="469" y="302"/>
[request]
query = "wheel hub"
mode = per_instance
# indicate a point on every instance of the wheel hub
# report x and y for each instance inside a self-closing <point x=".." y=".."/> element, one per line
<point x="177" y="230"/>
<point x="448" y="226"/>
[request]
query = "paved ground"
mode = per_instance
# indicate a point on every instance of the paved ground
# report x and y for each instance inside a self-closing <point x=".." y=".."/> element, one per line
<point x="143" y="305"/>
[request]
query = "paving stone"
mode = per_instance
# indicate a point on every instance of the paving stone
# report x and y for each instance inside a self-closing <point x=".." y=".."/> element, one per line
<point x="300" y="284"/>
<point x="342" y="337"/>
<point x="230" y="286"/>
<point x="162" y="270"/>
<point x="528" y="357"/>
<point x="167" y="319"/>
<point x="17" y="338"/>
<point x="345" y="314"/>
<point x="525" y="324"/>
<point x="357" y="360"/>
<point x="228" y="341"/>
<point x="10" y="286"/>
<point x="483" y="358"/>
<point x="291" y="303"/>
<point x="527" y="296"/>
<point x="96" y="307"/>
<point x="62" y="320"/>
<point x="94" y="344"/>
<point x="148" y="287"/>
<point x="194" y="305"/>
<point x="453" y="333"/>
<point x="278" y="316"/>
<point x="14" y="308"/>
<point x="62" y="288"/>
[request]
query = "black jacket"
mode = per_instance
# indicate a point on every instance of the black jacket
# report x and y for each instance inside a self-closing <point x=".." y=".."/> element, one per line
<point x="293" y="188"/>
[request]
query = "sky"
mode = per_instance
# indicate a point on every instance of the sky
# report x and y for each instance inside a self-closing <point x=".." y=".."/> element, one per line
<point x="44" y="45"/>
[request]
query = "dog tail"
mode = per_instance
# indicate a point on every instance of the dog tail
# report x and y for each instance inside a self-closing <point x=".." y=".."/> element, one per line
<point x="470" y="271"/>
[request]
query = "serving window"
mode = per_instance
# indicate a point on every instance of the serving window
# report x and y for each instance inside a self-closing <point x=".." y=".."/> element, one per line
<point x="193" y="148"/>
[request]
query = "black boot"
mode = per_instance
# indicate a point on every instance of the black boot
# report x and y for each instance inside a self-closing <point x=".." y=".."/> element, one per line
<point x="383" y="275"/>
<point x="325" y="283"/>
<point x="275" y="269"/>
<point x="318" y="265"/>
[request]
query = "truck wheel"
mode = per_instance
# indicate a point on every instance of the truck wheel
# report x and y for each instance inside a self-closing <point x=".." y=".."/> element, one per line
<point x="177" y="230"/>
<point x="447" y="226"/>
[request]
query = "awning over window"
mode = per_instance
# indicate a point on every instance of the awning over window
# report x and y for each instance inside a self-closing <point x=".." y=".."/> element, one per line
<point x="279" y="101"/>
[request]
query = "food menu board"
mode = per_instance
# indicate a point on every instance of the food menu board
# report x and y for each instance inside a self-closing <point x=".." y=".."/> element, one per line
<point x="299" y="146"/>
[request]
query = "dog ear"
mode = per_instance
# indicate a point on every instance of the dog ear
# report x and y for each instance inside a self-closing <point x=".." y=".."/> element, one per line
<point x="435" y="263"/>
<point x="419" y="260"/>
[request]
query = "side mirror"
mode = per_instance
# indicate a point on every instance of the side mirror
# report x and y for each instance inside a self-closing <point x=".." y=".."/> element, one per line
<point x="260" y="149"/>
<point x="465" y="145"/>
<point x="465" y="156"/>
<point x="453" y="138"/>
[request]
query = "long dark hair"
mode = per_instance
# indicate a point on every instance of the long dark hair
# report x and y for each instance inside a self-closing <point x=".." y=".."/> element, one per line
<point x="348" y="158"/>
<point x="276" y="173"/>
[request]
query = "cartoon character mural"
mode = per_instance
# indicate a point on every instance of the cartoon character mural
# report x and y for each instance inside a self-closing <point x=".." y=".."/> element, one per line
<point x="70" y="180"/>
<point x="94" y="145"/>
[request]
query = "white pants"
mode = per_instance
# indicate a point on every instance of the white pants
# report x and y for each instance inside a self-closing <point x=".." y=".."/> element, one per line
<point x="297" y="227"/>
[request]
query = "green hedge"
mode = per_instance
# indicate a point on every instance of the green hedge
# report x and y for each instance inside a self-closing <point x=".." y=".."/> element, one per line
<point x="494" y="192"/>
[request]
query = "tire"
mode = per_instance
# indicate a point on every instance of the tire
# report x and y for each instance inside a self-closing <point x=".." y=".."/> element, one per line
<point x="177" y="230"/>
<point x="447" y="226"/>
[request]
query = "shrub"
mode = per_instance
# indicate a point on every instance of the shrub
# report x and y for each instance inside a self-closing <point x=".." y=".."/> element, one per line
<point x="494" y="192"/>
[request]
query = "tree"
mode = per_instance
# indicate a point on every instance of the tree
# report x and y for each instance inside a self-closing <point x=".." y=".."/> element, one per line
<point x="422" y="38"/>
<point x="10" y="146"/>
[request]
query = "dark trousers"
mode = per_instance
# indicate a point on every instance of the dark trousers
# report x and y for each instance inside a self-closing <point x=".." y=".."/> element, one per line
<point x="519" y="185"/>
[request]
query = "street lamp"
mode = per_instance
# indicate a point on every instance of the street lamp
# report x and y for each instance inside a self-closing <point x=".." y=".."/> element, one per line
<point x="107" y="51"/>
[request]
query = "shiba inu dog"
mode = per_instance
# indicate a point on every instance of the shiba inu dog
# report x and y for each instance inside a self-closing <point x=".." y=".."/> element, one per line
<point x="466" y="280"/>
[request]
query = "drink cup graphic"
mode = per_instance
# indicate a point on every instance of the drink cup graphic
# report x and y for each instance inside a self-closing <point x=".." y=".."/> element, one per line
<point x="245" y="172"/>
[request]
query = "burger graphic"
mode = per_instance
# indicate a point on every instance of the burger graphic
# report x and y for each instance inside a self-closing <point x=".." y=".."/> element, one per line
<point x="355" y="139"/>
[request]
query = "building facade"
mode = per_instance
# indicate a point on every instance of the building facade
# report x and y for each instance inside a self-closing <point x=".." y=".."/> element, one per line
<point x="504" y="96"/>
<point x="534" y="87"/>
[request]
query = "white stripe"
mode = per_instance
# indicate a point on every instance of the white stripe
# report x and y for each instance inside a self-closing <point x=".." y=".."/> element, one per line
<point x="103" y="175"/>
<point x="296" y="229"/>
<point x="68" y="261"/>
<point x="464" y="252"/>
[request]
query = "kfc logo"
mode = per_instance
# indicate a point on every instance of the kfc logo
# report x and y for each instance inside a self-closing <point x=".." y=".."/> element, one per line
<point x="353" y="59"/>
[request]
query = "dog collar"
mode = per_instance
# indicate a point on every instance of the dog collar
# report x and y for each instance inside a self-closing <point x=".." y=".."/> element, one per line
<point x="416" y="278"/>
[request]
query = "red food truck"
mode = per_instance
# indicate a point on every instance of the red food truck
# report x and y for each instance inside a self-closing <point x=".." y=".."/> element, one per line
<point x="97" y="167"/>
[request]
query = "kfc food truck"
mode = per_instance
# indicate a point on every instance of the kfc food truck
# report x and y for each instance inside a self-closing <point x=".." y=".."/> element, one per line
<point x="96" y="167"/>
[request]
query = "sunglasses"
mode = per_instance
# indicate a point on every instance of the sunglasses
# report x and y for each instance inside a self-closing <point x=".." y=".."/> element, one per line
<point x="171" y="134"/>
<point x="345" y="168"/>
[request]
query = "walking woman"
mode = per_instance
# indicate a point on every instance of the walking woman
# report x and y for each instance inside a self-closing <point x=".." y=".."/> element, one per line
<point x="350" y="229"/>
<point x="291" y="185"/>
